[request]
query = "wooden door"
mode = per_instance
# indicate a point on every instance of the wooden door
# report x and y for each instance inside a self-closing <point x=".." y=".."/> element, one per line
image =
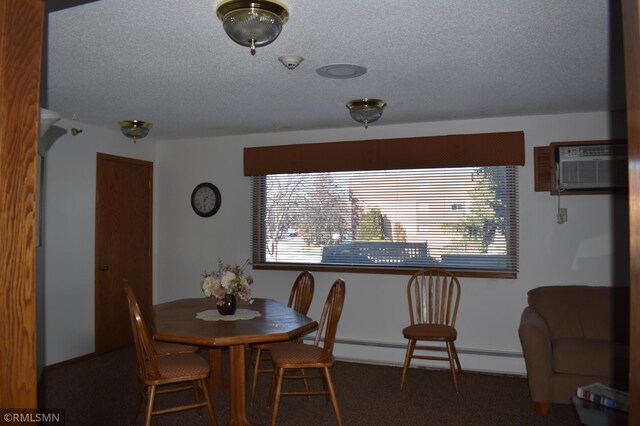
<point x="123" y="246"/>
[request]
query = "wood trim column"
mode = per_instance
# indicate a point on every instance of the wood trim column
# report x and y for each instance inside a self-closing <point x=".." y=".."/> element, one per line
<point x="631" y="27"/>
<point x="21" y="29"/>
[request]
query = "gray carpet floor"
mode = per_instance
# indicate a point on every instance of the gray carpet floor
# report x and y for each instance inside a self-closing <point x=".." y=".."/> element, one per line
<point x="102" y="390"/>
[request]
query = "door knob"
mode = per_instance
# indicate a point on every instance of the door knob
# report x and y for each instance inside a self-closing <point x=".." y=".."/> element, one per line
<point x="104" y="268"/>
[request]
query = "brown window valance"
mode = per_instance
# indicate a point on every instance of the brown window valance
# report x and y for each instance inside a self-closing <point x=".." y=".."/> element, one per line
<point x="481" y="149"/>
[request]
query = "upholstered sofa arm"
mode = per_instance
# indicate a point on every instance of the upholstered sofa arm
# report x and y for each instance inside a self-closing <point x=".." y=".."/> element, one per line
<point x="535" y="338"/>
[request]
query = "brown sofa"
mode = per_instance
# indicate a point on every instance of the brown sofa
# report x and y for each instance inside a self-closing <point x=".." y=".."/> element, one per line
<point x="574" y="335"/>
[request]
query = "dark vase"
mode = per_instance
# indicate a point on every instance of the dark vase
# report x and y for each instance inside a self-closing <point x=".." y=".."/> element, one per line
<point x="228" y="307"/>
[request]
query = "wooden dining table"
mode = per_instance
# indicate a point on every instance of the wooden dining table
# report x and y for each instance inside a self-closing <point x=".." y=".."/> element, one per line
<point x="176" y="321"/>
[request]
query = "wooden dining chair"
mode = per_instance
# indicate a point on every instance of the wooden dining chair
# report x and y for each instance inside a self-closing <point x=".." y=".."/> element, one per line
<point x="165" y="348"/>
<point x="300" y="300"/>
<point x="433" y="296"/>
<point x="168" y="348"/>
<point x="299" y="359"/>
<point x="160" y="374"/>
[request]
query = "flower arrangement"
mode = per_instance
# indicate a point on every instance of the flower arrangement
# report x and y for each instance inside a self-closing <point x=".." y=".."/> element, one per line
<point x="227" y="281"/>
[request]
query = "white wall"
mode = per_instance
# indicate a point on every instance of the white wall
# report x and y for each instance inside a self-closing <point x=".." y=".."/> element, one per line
<point x="68" y="239"/>
<point x="581" y="251"/>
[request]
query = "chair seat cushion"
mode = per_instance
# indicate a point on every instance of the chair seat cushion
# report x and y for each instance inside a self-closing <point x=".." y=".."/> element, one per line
<point x="430" y="332"/>
<point x="290" y="354"/>
<point x="164" y="348"/>
<point x="592" y="357"/>
<point x="267" y="346"/>
<point x="184" y="366"/>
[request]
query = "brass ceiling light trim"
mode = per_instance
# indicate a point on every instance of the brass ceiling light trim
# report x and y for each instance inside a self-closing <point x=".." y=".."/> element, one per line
<point x="252" y="23"/>
<point x="135" y="129"/>
<point x="366" y="110"/>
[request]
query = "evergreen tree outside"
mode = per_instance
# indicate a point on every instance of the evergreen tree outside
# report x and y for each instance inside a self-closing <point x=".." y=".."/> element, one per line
<point x="371" y="226"/>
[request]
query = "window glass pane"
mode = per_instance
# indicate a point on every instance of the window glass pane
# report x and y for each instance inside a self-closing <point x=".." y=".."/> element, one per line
<point x="458" y="218"/>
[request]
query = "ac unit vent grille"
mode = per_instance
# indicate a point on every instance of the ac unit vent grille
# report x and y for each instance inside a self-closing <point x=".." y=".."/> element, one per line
<point x="592" y="166"/>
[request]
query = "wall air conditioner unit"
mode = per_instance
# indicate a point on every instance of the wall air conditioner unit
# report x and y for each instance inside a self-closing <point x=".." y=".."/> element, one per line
<point x="592" y="166"/>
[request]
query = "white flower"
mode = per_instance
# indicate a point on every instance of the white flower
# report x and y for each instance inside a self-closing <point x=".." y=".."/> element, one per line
<point x="209" y="285"/>
<point x="227" y="280"/>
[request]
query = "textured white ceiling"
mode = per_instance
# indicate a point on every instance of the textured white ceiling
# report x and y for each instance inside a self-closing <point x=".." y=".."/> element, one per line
<point x="170" y="62"/>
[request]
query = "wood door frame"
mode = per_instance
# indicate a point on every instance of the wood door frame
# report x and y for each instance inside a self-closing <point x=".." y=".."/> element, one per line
<point x="631" y="33"/>
<point x="149" y="165"/>
<point x="21" y="29"/>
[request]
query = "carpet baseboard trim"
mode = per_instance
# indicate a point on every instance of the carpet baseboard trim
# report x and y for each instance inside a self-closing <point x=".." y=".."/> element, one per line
<point x="68" y="362"/>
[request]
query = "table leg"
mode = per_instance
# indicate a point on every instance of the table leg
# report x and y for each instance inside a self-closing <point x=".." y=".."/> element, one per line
<point x="217" y="382"/>
<point x="238" y="387"/>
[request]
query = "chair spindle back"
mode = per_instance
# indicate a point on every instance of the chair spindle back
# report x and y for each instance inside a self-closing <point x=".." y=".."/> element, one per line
<point x="302" y="293"/>
<point x="147" y="365"/>
<point x="328" y="325"/>
<point x="433" y="296"/>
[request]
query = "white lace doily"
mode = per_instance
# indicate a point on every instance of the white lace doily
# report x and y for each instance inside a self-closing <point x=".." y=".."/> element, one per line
<point x="214" y="315"/>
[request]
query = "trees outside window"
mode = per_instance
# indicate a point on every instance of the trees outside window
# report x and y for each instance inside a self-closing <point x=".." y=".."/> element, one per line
<point x="371" y="226"/>
<point x="487" y="215"/>
<point x="327" y="213"/>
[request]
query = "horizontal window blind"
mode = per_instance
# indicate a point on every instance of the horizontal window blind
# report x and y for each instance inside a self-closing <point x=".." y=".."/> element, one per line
<point x="461" y="218"/>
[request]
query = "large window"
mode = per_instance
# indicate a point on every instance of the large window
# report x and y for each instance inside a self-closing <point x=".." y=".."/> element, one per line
<point x="462" y="218"/>
<point x="388" y="205"/>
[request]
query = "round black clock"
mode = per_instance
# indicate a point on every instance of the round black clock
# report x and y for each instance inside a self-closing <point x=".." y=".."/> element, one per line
<point x="205" y="199"/>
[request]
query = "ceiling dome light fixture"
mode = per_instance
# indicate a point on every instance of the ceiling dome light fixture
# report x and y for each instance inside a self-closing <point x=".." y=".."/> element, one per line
<point x="366" y="110"/>
<point x="135" y="129"/>
<point x="252" y="23"/>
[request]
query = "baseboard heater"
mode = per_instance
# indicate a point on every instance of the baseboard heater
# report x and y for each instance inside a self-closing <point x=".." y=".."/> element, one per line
<point x="469" y="351"/>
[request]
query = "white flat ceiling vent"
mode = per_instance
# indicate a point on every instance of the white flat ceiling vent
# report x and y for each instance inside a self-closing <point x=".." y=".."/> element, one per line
<point x="341" y="71"/>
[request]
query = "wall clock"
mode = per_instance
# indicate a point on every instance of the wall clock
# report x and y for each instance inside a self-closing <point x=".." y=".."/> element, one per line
<point x="205" y="199"/>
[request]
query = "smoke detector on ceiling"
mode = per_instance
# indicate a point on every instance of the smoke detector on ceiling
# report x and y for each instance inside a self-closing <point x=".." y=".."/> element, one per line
<point x="291" y="61"/>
